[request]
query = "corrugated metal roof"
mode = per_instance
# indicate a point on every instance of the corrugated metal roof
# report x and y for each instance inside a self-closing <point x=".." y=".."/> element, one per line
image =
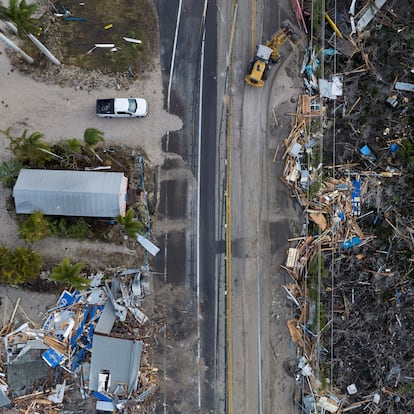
<point x="71" y="193"/>
<point x="106" y="320"/>
<point x="121" y="357"/>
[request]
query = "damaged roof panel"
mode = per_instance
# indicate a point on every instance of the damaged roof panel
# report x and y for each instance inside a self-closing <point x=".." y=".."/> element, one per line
<point x="106" y="320"/>
<point x="369" y="14"/>
<point x="118" y="357"/>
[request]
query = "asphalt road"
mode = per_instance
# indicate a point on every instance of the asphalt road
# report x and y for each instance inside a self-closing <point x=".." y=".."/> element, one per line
<point x="260" y="222"/>
<point x="187" y="181"/>
<point x="244" y="370"/>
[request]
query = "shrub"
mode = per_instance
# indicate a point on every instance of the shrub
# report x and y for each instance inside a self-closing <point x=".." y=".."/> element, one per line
<point x="78" y="230"/>
<point x="19" y="266"/>
<point x="9" y="170"/>
<point x="35" y="227"/>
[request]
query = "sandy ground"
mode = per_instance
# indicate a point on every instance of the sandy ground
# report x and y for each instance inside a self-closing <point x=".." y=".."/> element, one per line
<point x="61" y="112"/>
<point x="32" y="306"/>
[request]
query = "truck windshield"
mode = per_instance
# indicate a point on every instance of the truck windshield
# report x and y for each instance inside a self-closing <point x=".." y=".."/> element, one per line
<point x="132" y="105"/>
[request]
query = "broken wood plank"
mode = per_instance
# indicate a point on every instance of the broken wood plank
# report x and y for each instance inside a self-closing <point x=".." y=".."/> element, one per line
<point x="353" y="106"/>
<point x="275" y="117"/>
<point x="276" y="152"/>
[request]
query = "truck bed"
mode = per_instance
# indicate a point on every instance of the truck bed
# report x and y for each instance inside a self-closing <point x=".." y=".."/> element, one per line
<point x="105" y="106"/>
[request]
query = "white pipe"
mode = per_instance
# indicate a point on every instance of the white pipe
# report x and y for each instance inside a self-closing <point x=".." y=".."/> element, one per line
<point x="109" y="45"/>
<point x="43" y="49"/>
<point x="16" y="48"/>
<point x="11" y="26"/>
<point x="38" y="44"/>
<point x="128" y="39"/>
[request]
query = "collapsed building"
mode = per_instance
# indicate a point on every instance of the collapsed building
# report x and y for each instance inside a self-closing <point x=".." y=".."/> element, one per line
<point x="91" y="344"/>
<point x="348" y="162"/>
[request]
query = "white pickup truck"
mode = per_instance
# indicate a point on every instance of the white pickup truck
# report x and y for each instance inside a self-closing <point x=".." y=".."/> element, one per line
<point x="121" y="108"/>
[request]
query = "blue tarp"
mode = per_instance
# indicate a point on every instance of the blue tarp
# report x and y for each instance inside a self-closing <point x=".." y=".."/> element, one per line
<point x="101" y="397"/>
<point x="366" y="152"/>
<point x="92" y="312"/>
<point x="347" y="244"/>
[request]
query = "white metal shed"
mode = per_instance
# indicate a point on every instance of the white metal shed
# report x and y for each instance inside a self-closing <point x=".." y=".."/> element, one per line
<point x="71" y="193"/>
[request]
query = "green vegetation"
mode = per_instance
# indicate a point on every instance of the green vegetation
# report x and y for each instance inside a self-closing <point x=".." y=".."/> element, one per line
<point x="29" y="150"/>
<point x="313" y="286"/>
<point x="318" y="18"/>
<point x="313" y="275"/>
<point x="19" y="266"/>
<point x="324" y="375"/>
<point x="9" y="170"/>
<point x="70" y="147"/>
<point x="130" y="225"/>
<point x="35" y="227"/>
<point x="65" y="228"/>
<point x="70" y="274"/>
<point x="21" y="15"/>
<point x="314" y="188"/>
<point x="406" y="152"/>
<point x="323" y="319"/>
<point x="315" y="158"/>
<point x="406" y="389"/>
<point x="93" y="137"/>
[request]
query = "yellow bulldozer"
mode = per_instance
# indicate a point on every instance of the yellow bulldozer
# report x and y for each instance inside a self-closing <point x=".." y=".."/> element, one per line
<point x="268" y="54"/>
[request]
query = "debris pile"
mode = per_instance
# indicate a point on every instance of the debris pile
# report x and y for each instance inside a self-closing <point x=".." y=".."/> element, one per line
<point x="349" y="162"/>
<point x="91" y="347"/>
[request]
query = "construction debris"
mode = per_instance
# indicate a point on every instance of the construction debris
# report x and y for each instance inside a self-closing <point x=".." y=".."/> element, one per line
<point x="348" y="162"/>
<point x="92" y="341"/>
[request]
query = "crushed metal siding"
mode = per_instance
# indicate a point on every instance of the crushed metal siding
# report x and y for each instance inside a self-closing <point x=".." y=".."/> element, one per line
<point x="121" y="357"/>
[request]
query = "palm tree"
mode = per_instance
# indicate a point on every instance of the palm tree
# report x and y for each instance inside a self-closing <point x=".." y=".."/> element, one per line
<point x="69" y="273"/>
<point x="9" y="170"/>
<point x="30" y="149"/>
<point x="131" y="225"/>
<point x="69" y="149"/>
<point x="93" y="137"/>
<point x="72" y="146"/>
<point x="21" y="15"/>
